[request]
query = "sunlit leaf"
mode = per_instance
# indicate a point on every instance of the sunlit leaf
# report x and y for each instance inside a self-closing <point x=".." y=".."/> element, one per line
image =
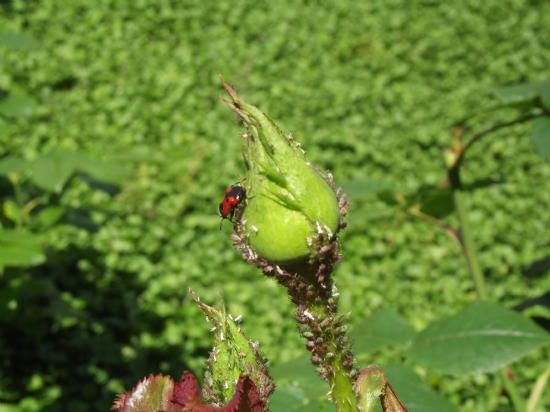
<point x="17" y="104"/>
<point x="384" y="328"/>
<point x="540" y="138"/>
<point x="51" y="172"/>
<point x="105" y="171"/>
<point x="365" y="187"/>
<point x="21" y="41"/>
<point x="51" y="215"/>
<point x="365" y="214"/>
<point x="292" y="398"/>
<point x="12" y="164"/>
<point x="137" y="157"/>
<point x="19" y="249"/>
<point x="3" y="127"/>
<point x="12" y="211"/>
<point x="518" y="92"/>
<point x="545" y="94"/>
<point x="482" y="337"/>
<point x="298" y="388"/>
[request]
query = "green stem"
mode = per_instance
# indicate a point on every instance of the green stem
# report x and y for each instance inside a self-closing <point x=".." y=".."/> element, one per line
<point x="459" y="197"/>
<point x="18" y="193"/>
<point x="517" y="401"/>
<point x="485" y="132"/>
<point x="342" y="389"/>
<point x="537" y="391"/>
<point x="312" y="290"/>
<point x="466" y="240"/>
<point x="416" y="212"/>
<point x="468" y="249"/>
<point x="14" y="178"/>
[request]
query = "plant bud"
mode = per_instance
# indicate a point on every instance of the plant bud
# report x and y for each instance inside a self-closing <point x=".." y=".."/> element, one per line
<point x="232" y="355"/>
<point x="289" y="204"/>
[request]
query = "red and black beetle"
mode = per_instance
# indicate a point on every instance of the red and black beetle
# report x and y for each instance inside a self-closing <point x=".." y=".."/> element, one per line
<point x="233" y="196"/>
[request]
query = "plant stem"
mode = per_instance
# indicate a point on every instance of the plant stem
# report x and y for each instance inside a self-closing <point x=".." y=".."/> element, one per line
<point x="311" y="288"/>
<point x="342" y="394"/>
<point x="537" y="390"/>
<point x="466" y="241"/>
<point x="491" y="129"/>
<point x="468" y="249"/>
<point x="416" y="212"/>
<point x="17" y="189"/>
<point x="14" y="179"/>
<point x="341" y="387"/>
<point x="453" y="172"/>
<point x="517" y="401"/>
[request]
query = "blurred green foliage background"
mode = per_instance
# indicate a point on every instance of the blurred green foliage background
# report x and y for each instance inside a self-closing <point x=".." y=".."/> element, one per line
<point x="371" y="89"/>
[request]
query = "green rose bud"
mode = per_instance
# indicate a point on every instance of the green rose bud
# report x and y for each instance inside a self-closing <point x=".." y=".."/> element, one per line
<point x="232" y="356"/>
<point x="289" y="203"/>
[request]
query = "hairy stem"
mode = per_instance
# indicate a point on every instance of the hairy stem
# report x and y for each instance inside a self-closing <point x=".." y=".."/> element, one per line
<point x="342" y="391"/>
<point x="335" y="359"/>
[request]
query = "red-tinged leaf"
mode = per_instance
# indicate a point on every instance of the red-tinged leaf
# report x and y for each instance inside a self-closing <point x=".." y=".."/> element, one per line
<point x="159" y="394"/>
<point x="120" y="401"/>
<point x="250" y="401"/>
<point x="187" y="394"/>
<point x="390" y="401"/>
<point x="152" y="394"/>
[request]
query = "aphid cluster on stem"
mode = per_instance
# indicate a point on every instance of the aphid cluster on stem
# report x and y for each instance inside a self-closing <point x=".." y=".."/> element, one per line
<point x="342" y="204"/>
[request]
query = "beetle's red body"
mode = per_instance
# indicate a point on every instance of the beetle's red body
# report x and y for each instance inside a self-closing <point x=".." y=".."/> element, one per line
<point x="233" y="196"/>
